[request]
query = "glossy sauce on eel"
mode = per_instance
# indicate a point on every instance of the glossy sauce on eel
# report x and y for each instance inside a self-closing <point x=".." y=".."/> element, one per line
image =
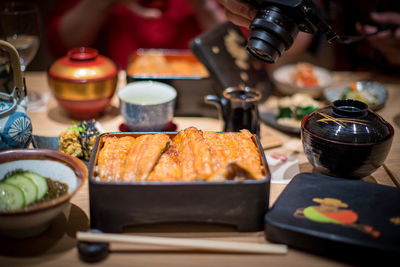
<point x="190" y="155"/>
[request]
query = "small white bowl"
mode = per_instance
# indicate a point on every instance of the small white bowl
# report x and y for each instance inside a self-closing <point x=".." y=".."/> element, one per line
<point x="33" y="220"/>
<point x="283" y="80"/>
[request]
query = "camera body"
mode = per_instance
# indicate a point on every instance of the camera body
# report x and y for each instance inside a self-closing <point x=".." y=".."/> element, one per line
<point x="277" y="24"/>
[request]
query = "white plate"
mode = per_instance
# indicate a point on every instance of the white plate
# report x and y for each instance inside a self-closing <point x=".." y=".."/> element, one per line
<point x="282" y="78"/>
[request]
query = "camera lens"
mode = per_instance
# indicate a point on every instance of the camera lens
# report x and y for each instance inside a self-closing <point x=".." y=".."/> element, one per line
<point x="271" y="32"/>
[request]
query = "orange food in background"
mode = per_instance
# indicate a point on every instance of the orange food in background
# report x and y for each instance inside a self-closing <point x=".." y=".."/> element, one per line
<point x="304" y="75"/>
<point x="157" y="64"/>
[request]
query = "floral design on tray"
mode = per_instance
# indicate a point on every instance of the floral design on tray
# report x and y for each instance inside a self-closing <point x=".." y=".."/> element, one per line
<point x="333" y="210"/>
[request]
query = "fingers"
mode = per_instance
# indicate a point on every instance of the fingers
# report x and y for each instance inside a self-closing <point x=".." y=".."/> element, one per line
<point x="238" y="20"/>
<point x="145" y="12"/>
<point x="239" y="12"/>
<point x="386" y="18"/>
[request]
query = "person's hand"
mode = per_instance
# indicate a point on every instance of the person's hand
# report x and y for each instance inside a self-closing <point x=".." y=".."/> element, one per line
<point x="239" y="12"/>
<point x="387" y="42"/>
<point x="142" y="11"/>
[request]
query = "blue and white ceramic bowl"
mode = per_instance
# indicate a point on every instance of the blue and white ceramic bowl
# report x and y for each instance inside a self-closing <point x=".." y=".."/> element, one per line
<point x="147" y="106"/>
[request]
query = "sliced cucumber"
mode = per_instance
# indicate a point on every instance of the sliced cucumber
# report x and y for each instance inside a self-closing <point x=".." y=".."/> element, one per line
<point x="11" y="197"/>
<point x="26" y="185"/>
<point x="40" y="182"/>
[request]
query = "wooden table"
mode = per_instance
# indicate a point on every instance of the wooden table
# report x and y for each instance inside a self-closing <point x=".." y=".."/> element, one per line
<point x="57" y="246"/>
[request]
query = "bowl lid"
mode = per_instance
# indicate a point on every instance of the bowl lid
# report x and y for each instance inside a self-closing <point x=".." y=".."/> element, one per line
<point x="83" y="64"/>
<point x="347" y="121"/>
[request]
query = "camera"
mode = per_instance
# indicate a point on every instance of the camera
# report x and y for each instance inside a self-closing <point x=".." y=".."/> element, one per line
<point x="277" y="24"/>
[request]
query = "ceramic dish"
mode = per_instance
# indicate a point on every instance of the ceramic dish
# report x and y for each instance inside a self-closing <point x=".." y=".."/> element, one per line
<point x="377" y="89"/>
<point x="282" y="78"/>
<point x="269" y="118"/>
<point x="33" y="220"/>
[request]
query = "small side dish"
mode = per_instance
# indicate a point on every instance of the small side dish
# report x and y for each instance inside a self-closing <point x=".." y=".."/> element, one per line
<point x="191" y="155"/>
<point x="47" y="179"/>
<point x="352" y="92"/>
<point x="373" y="94"/>
<point x="78" y="141"/>
<point x="19" y="189"/>
<point x="292" y="109"/>
<point x="304" y="76"/>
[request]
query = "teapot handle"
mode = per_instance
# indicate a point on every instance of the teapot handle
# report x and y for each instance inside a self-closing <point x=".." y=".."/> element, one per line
<point x="16" y="65"/>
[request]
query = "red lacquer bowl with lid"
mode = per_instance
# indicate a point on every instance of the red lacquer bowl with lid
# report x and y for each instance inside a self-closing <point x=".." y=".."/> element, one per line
<point x="83" y="82"/>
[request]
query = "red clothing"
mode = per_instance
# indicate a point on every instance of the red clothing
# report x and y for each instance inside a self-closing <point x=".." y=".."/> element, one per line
<point x="124" y="32"/>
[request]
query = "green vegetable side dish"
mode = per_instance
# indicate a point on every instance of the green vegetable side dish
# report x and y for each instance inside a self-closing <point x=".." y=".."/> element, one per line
<point x="292" y="109"/>
<point x="296" y="113"/>
<point x="365" y="95"/>
<point x="19" y="189"/>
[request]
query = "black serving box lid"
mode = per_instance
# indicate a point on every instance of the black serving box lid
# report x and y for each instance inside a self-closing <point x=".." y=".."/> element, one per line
<point x="222" y="50"/>
<point x="337" y="217"/>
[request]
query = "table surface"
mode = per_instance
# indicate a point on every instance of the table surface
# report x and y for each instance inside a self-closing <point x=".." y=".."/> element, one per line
<point x="57" y="245"/>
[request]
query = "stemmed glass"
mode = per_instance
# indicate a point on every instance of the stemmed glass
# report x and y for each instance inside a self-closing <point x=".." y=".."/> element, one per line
<point x="20" y="26"/>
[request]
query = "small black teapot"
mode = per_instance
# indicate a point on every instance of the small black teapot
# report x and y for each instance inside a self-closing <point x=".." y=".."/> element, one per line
<point x="239" y="109"/>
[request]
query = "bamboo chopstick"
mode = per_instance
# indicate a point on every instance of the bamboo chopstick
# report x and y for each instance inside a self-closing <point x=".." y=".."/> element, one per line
<point x="225" y="246"/>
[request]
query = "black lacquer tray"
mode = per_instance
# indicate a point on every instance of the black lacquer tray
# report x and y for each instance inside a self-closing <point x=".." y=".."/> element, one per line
<point x="115" y="205"/>
<point x="348" y="219"/>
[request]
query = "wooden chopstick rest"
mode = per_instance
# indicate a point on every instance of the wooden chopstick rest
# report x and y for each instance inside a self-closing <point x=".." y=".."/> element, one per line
<point x="225" y="246"/>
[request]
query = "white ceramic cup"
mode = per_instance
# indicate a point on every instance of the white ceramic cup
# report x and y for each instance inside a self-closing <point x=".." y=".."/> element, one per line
<point x="147" y="106"/>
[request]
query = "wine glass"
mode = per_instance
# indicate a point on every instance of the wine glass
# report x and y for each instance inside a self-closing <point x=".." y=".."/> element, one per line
<point x="20" y="26"/>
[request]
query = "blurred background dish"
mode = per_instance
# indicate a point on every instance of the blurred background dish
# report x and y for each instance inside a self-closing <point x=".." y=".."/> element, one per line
<point x="302" y="78"/>
<point x="34" y="219"/>
<point x="373" y="94"/>
<point x="289" y="112"/>
<point x="180" y="69"/>
<point x="83" y="82"/>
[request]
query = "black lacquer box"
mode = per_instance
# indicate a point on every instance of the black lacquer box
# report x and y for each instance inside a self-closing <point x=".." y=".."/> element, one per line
<point x="115" y="205"/>
<point x="191" y="89"/>
<point x="342" y="218"/>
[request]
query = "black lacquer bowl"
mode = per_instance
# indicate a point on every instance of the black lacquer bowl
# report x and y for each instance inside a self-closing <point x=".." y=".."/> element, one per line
<point x="346" y="139"/>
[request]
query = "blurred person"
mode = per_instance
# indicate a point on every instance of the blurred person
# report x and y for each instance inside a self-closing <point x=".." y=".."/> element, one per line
<point x="118" y="28"/>
<point x="380" y="52"/>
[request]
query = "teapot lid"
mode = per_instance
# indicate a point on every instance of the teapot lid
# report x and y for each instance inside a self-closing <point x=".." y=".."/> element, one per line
<point x="83" y="64"/>
<point x="348" y="121"/>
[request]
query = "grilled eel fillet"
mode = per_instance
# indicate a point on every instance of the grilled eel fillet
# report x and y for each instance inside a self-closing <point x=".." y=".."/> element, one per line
<point x="233" y="148"/>
<point x="143" y="155"/>
<point x="191" y="155"/>
<point x="187" y="158"/>
<point x="112" y="157"/>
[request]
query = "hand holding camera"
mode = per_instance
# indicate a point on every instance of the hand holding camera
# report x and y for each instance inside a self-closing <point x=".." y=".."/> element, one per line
<point x="275" y="24"/>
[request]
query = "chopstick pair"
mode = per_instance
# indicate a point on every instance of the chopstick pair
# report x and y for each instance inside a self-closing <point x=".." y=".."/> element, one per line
<point x="209" y="245"/>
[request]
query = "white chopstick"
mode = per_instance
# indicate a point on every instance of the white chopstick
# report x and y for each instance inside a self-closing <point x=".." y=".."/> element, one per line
<point x="225" y="246"/>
